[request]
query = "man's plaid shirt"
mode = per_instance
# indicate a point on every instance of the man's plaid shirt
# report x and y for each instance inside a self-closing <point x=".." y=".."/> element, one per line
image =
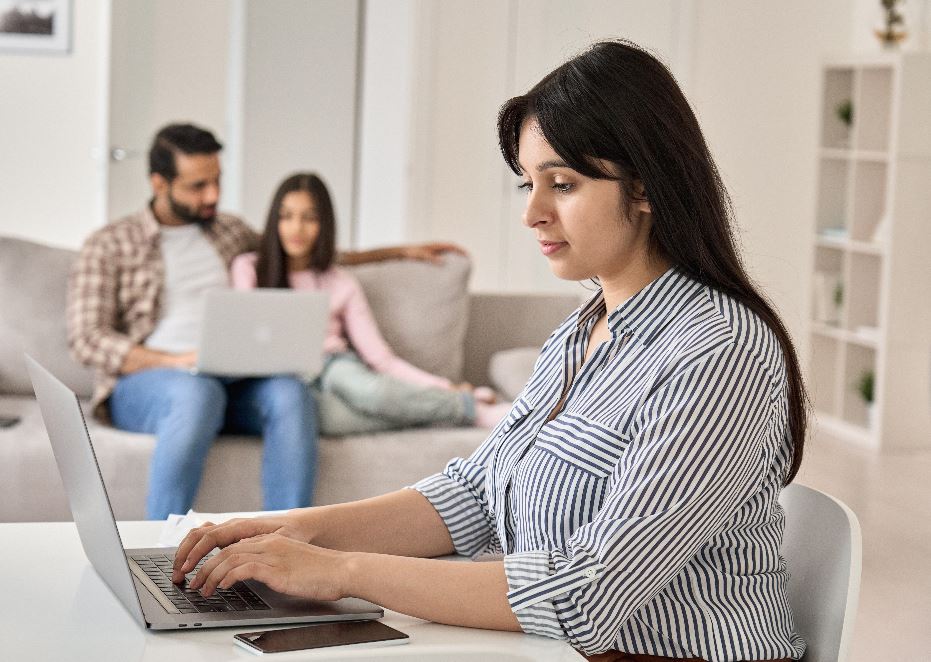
<point x="115" y="289"/>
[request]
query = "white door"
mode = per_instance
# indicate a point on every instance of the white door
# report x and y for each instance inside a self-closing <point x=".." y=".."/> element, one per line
<point x="168" y="62"/>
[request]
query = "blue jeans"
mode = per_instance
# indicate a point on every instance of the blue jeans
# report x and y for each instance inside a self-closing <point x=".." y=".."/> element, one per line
<point x="186" y="412"/>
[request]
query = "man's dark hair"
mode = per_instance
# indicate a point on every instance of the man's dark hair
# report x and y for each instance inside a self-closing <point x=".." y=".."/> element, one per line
<point x="174" y="138"/>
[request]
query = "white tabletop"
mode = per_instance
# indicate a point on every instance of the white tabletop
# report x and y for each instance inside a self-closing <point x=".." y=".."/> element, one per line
<point x="53" y="606"/>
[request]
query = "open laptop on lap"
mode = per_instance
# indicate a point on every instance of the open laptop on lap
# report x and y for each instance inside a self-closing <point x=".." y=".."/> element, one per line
<point x="140" y="578"/>
<point x="263" y="332"/>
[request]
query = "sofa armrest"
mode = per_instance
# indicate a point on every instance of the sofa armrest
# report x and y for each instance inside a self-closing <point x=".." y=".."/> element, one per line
<point x="505" y="320"/>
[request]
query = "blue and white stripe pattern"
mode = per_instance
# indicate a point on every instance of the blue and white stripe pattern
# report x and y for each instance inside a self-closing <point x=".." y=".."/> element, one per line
<point x="645" y="516"/>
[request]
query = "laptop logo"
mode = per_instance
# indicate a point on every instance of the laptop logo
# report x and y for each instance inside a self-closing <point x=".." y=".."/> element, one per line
<point x="263" y="334"/>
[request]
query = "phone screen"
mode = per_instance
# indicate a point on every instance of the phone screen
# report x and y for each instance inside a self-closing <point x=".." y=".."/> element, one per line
<point x="324" y="635"/>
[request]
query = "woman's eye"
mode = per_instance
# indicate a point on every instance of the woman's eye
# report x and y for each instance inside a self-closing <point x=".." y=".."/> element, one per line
<point x="562" y="187"/>
<point x="527" y="187"/>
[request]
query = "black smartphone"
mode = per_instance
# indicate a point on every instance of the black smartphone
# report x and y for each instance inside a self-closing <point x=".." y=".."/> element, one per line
<point x="324" y="635"/>
<point x="8" y="421"/>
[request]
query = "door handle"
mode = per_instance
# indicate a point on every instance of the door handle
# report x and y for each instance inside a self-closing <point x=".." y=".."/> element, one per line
<point x="122" y="153"/>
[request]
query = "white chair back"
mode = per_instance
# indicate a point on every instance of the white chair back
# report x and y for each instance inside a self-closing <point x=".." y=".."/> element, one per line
<point x="823" y="549"/>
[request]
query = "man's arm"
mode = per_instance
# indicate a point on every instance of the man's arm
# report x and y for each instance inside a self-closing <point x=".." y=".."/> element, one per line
<point x="142" y="358"/>
<point x="91" y="312"/>
<point x="92" y="318"/>
<point x="430" y="252"/>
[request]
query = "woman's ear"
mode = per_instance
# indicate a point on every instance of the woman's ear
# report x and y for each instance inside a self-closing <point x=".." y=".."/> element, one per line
<point x="640" y="203"/>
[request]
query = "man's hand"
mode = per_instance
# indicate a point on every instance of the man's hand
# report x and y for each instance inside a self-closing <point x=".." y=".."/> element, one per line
<point x="430" y="252"/>
<point x="143" y="358"/>
<point x="185" y="360"/>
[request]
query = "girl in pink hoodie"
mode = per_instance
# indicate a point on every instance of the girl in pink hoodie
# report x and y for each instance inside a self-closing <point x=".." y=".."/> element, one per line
<point x="364" y="386"/>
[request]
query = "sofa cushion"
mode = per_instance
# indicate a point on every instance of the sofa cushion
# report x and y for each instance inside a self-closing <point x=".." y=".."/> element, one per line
<point x="33" y="288"/>
<point x="422" y="309"/>
<point x="510" y="369"/>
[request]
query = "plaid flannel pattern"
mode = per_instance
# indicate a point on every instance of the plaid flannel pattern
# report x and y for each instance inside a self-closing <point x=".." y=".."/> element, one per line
<point x="114" y="292"/>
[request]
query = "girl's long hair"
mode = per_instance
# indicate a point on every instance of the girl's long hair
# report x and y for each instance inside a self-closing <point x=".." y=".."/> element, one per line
<point x="271" y="267"/>
<point x="615" y="102"/>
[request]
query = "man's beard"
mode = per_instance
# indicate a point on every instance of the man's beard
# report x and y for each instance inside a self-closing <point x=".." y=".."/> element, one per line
<point x="187" y="214"/>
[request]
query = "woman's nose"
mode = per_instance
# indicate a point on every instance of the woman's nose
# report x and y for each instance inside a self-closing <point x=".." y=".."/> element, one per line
<point x="536" y="212"/>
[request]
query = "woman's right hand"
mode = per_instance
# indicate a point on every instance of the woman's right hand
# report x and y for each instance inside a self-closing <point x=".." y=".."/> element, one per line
<point x="201" y="540"/>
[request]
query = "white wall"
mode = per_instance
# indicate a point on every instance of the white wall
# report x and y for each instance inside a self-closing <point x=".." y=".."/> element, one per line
<point x="756" y="79"/>
<point x="299" y="100"/>
<point x="750" y="70"/>
<point x="50" y="114"/>
<point x="469" y="58"/>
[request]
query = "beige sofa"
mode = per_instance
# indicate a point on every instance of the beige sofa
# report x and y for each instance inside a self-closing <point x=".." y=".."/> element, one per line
<point x="424" y="311"/>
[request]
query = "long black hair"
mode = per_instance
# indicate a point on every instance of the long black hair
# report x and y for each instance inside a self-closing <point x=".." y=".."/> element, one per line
<point x="617" y="103"/>
<point x="271" y="268"/>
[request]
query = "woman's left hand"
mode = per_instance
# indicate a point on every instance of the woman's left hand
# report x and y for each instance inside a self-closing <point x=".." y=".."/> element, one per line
<point x="283" y="564"/>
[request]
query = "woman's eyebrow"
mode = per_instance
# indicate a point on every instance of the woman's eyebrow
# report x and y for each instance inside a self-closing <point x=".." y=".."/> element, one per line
<point x="551" y="164"/>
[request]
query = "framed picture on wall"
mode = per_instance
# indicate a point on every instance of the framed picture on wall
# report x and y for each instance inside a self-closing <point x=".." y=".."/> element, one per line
<point x="35" y="26"/>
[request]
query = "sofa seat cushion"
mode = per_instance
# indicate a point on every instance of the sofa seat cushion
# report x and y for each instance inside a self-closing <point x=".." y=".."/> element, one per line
<point x="349" y="467"/>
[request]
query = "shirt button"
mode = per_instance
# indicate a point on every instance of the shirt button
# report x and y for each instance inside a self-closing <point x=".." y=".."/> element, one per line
<point x="590" y="573"/>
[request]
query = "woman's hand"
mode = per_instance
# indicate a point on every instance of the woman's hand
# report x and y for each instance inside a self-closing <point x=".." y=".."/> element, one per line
<point x="284" y="564"/>
<point x="200" y="541"/>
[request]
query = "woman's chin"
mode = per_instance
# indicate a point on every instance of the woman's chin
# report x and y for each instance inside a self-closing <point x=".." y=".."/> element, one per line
<point x="565" y="271"/>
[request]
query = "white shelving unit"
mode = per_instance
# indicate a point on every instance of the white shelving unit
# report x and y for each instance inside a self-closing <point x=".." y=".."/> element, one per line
<point x="871" y="309"/>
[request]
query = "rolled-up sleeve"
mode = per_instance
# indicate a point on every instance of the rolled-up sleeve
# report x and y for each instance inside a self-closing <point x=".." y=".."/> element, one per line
<point x="697" y="450"/>
<point x="92" y="314"/>
<point x="459" y="495"/>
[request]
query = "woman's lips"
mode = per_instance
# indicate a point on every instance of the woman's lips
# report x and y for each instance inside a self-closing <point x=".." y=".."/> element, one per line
<point x="550" y="247"/>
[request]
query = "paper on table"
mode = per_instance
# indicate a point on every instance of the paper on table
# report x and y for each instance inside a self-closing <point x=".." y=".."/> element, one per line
<point x="177" y="526"/>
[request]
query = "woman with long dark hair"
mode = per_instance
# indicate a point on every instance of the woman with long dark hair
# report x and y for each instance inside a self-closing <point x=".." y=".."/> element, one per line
<point x="364" y="385"/>
<point x="632" y="490"/>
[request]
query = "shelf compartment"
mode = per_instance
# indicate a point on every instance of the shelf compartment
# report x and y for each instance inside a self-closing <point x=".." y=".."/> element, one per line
<point x="838" y="88"/>
<point x="864" y="337"/>
<point x="861" y="292"/>
<point x="858" y="361"/>
<point x="872" y="110"/>
<point x="834" y="179"/>
<point x="828" y="279"/>
<point x="822" y="382"/>
<point x="869" y="200"/>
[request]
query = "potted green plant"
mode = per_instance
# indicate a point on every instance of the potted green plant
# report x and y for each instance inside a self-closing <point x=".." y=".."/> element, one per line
<point x="865" y="387"/>
<point x="838" y="298"/>
<point x="844" y="112"/>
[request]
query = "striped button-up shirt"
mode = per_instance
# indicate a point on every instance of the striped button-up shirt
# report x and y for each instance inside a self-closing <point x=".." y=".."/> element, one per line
<point x="645" y="515"/>
<point x="115" y="290"/>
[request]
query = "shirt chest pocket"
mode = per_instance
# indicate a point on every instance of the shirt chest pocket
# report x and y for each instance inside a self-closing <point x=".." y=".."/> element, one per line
<point x="582" y="443"/>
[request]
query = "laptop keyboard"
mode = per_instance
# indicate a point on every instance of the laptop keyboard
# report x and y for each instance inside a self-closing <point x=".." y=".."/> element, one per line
<point x="237" y="597"/>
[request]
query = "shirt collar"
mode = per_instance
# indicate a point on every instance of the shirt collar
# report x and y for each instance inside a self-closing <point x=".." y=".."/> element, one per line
<point x="151" y="227"/>
<point x="648" y="311"/>
<point x="150" y="224"/>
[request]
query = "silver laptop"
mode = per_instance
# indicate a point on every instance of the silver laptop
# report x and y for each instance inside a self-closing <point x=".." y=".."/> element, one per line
<point x="263" y="332"/>
<point x="140" y="578"/>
